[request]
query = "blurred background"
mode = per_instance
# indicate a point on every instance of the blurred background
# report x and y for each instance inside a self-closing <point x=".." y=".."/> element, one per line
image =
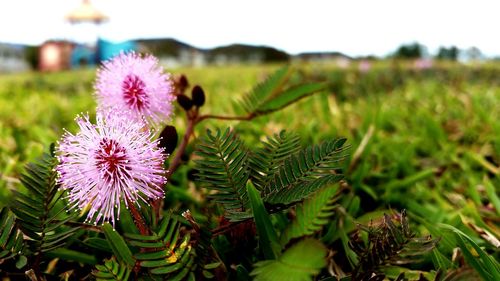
<point x="413" y="85"/>
<point x="66" y="34"/>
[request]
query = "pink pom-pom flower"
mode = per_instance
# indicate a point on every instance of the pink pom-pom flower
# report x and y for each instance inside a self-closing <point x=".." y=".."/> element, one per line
<point x="107" y="162"/>
<point x="136" y="85"/>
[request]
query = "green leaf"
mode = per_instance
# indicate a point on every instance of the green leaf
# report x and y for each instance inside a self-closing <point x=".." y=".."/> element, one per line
<point x="301" y="190"/>
<point x="169" y="253"/>
<point x="389" y="243"/>
<point x="21" y="262"/>
<point x="118" y="245"/>
<point x="268" y="239"/>
<point x="440" y="261"/>
<point x="212" y="265"/>
<point x="393" y="185"/>
<point x="223" y="167"/>
<point x="264" y="90"/>
<point x="273" y="93"/>
<point x="112" y="270"/>
<point x="11" y="238"/>
<point x="72" y="255"/>
<point x="265" y="162"/>
<point x="305" y="172"/>
<point x="299" y="263"/>
<point x="488" y="268"/>
<point x="38" y="213"/>
<point x="289" y="96"/>
<point x="98" y="243"/>
<point x="492" y="195"/>
<point x="312" y="214"/>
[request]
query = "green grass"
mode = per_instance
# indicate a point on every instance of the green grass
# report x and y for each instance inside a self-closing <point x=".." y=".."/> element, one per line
<point x="433" y="146"/>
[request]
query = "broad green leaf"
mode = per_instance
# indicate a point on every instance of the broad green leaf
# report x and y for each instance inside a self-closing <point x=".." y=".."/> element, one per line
<point x="118" y="245"/>
<point x="98" y="243"/>
<point x="268" y="239"/>
<point x="72" y="255"/>
<point x="299" y="263"/>
<point x="486" y="266"/>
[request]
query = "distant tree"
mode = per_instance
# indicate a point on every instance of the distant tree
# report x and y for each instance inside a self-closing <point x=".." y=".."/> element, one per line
<point x="368" y="57"/>
<point x="410" y="51"/>
<point x="450" y="53"/>
<point x="32" y="56"/>
<point x="274" y="55"/>
<point x="243" y="52"/>
<point x="473" y="53"/>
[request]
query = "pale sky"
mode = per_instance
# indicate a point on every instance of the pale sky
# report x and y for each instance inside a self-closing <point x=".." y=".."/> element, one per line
<point x="353" y="27"/>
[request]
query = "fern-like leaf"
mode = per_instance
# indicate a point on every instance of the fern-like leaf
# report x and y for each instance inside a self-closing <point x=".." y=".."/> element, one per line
<point x="289" y="96"/>
<point x="223" y="167"/>
<point x="264" y="90"/>
<point x="312" y="214"/>
<point x="112" y="270"/>
<point x="300" y="262"/>
<point x="305" y="172"/>
<point x="265" y="162"/>
<point x="167" y="252"/>
<point x="387" y="244"/>
<point x="11" y="238"/>
<point x="39" y="217"/>
<point x="274" y="93"/>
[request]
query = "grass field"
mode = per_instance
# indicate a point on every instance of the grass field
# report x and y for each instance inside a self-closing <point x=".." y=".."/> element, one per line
<point x="423" y="140"/>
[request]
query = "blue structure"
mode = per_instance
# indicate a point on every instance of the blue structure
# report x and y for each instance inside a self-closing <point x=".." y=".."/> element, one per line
<point x="83" y="55"/>
<point x="107" y="49"/>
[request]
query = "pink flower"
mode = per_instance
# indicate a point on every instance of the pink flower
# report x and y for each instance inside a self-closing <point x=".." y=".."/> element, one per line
<point x="136" y="85"/>
<point x="112" y="160"/>
<point x="364" y="66"/>
<point x="423" y="64"/>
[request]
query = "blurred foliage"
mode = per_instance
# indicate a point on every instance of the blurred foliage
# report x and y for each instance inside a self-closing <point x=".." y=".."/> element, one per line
<point x="410" y="51"/>
<point x="32" y="56"/>
<point x="422" y="139"/>
<point x="450" y="53"/>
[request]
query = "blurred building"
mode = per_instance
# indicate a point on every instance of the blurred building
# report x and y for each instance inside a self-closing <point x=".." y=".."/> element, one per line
<point x="13" y="58"/>
<point x="55" y="55"/>
<point x="78" y="51"/>
<point x="106" y="49"/>
<point x="337" y="58"/>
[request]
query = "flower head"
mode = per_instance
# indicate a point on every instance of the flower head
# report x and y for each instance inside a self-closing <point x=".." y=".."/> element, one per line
<point x="112" y="160"/>
<point x="136" y="85"/>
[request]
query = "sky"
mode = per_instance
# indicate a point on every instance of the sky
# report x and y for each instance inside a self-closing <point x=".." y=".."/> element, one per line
<point x="353" y="27"/>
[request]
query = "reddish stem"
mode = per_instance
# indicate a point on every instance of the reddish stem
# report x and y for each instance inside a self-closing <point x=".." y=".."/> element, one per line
<point x="193" y="119"/>
<point x="176" y="161"/>
<point x="138" y="219"/>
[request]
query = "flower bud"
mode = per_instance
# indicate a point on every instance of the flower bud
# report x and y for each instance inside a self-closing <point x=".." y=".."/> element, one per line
<point x="198" y="96"/>
<point x="185" y="102"/>
<point x="181" y="83"/>
<point x="168" y="139"/>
